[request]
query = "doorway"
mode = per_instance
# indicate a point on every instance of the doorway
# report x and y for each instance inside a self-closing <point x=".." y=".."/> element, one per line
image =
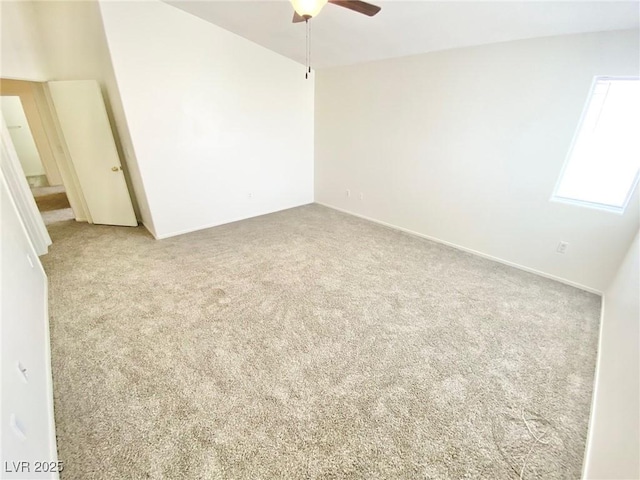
<point x="73" y="136"/>
<point x="46" y="184"/>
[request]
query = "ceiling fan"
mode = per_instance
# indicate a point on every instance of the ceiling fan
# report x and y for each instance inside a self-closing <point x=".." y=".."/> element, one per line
<point x="307" y="9"/>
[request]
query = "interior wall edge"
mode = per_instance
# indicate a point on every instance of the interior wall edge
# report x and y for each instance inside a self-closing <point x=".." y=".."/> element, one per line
<point x="524" y="268"/>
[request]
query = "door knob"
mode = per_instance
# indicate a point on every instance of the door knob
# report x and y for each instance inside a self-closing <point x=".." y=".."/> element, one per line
<point x="115" y="169"/>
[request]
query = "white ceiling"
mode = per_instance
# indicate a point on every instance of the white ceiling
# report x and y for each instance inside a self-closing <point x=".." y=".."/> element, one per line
<point x="342" y="37"/>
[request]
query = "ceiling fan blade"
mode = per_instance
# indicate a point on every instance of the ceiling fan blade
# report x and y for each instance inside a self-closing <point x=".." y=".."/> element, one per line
<point x="357" y="6"/>
<point x="297" y="18"/>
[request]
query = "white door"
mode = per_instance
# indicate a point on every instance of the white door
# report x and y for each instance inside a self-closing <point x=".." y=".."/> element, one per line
<point x="87" y="132"/>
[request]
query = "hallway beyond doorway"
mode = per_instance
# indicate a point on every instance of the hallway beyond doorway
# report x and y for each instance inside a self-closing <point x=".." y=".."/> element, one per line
<point x="53" y="204"/>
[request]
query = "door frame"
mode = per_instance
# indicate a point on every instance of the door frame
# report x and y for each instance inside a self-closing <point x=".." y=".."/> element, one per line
<point x="21" y="193"/>
<point x="38" y="108"/>
<point x="24" y="91"/>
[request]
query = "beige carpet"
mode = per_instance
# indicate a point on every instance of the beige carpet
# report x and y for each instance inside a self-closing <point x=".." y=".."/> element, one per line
<point x="55" y="201"/>
<point x="53" y="204"/>
<point x="311" y="344"/>
<point x="55" y="216"/>
<point x="48" y="190"/>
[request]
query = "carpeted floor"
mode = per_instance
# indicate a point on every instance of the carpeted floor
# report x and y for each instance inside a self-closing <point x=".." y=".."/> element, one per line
<point x="54" y="201"/>
<point x="311" y="344"/>
<point x="48" y="190"/>
<point x="53" y="204"/>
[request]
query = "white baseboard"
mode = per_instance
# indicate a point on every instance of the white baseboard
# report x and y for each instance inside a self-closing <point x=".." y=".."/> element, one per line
<point x="592" y="411"/>
<point x="468" y="250"/>
<point x="53" y="453"/>
<point x="150" y="230"/>
<point x="224" y="222"/>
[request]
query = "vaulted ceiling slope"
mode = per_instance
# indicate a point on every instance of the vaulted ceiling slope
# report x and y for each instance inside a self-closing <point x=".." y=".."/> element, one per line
<point x="341" y="37"/>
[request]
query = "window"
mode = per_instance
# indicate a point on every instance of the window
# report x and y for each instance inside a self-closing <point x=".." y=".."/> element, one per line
<point x="603" y="165"/>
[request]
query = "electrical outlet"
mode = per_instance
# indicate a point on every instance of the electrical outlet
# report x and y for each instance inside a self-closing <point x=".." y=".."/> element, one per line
<point x="348" y="193"/>
<point x="562" y="247"/>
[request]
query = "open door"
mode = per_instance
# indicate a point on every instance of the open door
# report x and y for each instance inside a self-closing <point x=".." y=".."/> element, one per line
<point x="86" y="130"/>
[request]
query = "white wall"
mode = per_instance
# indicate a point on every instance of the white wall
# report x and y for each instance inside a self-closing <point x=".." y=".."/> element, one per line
<point x="28" y="429"/>
<point x="613" y="449"/>
<point x="21" y="136"/>
<point x="466" y="146"/>
<point x="222" y="128"/>
<point x="21" y="55"/>
<point x="76" y="49"/>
